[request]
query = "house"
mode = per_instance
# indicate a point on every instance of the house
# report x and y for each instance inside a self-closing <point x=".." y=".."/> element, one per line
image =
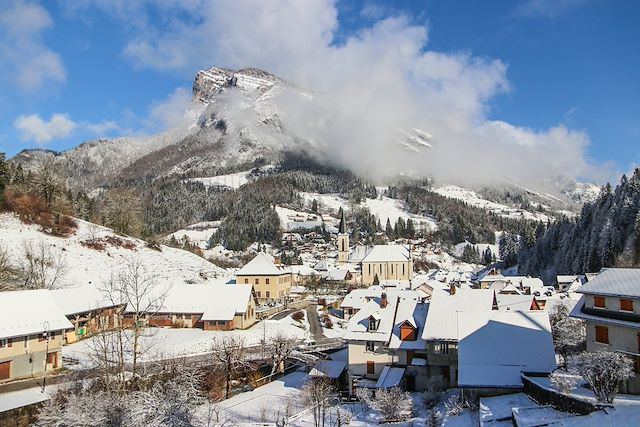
<point x="31" y="334"/>
<point x="88" y="309"/>
<point x="610" y="306"/>
<point x="300" y="273"/>
<point x="271" y="281"/>
<point x="358" y="298"/>
<point x="568" y="283"/>
<point x="219" y="307"/>
<point x="441" y="327"/>
<point x="386" y="262"/>
<point x="496" y="347"/>
<point x="508" y="302"/>
<point x="384" y="337"/>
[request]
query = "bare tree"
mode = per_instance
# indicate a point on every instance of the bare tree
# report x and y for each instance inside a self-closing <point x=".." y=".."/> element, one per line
<point x="44" y="267"/>
<point x="47" y="182"/>
<point x="281" y="347"/>
<point x="137" y="289"/>
<point x="123" y="211"/>
<point x="394" y="404"/>
<point x="229" y="352"/>
<point x="603" y="370"/>
<point x="8" y="276"/>
<point x="318" y="393"/>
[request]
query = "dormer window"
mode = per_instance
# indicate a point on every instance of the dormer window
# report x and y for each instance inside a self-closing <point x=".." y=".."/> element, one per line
<point x="407" y="332"/>
<point x="373" y="324"/>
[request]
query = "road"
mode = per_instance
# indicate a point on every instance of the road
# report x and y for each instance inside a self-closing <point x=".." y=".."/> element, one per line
<point x="315" y="328"/>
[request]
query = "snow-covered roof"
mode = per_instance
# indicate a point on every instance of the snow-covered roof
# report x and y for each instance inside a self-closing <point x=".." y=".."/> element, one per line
<point x="442" y="320"/>
<point x="262" y="265"/>
<point x="495" y="347"/>
<point x="28" y="312"/>
<point x="514" y="302"/>
<point x="358" y="298"/>
<point x="81" y="299"/>
<point x="566" y="279"/>
<point x="337" y="274"/>
<point x="387" y="253"/>
<point x="415" y="313"/>
<point x="328" y="368"/>
<point x="390" y="377"/>
<point x="358" y="326"/>
<point x="614" y="282"/>
<point x="303" y="270"/>
<point x="215" y="301"/>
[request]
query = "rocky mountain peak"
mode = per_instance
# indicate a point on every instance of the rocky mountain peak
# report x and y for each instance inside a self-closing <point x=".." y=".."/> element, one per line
<point x="209" y="83"/>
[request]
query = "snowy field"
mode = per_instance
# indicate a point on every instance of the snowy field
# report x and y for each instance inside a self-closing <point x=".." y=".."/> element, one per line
<point x="92" y="267"/>
<point x="161" y="343"/>
<point x="385" y="208"/>
<point x="232" y="180"/>
<point x="473" y="199"/>
<point x="292" y="220"/>
<point x="198" y="234"/>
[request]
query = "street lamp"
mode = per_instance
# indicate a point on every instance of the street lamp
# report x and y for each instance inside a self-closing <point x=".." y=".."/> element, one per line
<point x="45" y="334"/>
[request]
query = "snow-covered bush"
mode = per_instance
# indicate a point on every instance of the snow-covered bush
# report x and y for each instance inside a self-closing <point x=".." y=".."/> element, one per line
<point x="603" y="370"/>
<point x="434" y="418"/>
<point x="454" y="406"/>
<point x="365" y="396"/>
<point x="433" y="390"/>
<point x="563" y="382"/>
<point x="394" y="404"/>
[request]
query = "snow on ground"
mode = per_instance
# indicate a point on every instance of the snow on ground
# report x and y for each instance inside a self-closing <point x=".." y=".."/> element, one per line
<point x="481" y="247"/>
<point x="326" y="202"/>
<point x="292" y="220"/>
<point x="473" y="199"/>
<point x="232" y="180"/>
<point x="160" y="343"/>
<point x="20" y="398"/>
<point x="386" y="208"/>
<point x="267" y="403"/>
<point x="87" y="266"/>
<point x="445" y="261"/>
<point x="198" y="234"/>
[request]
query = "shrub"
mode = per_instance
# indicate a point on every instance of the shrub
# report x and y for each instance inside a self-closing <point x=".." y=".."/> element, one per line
<point x="298" y="315"/>
<point x="563" y="382"/>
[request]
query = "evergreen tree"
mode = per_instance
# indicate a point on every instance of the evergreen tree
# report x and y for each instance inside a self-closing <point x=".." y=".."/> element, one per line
<point x="389" y="230"/>
<point x="314" y="206"/>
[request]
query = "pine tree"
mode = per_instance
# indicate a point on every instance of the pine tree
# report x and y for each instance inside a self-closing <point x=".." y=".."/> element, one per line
<point x="314" y="206"/>
<point x="389" y="230"/>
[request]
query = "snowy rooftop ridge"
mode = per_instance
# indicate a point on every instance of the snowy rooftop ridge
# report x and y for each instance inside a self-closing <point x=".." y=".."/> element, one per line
<point x="30" y="312"/>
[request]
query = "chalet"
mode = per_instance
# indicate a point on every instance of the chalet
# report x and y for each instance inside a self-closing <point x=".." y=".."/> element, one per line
<point x="31" y="334"/>
<point x="569" y="283"/>
<point x="271" y="281"/>
<point x="222" y="307"/>
<point x="359" y="298"/>
<point x="610" y="306"/>
<point x="88" y="309"/>
<point x="508" y="302"/>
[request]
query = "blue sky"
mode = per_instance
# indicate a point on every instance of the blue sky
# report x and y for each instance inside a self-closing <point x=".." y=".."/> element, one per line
<point x="70" y="72"/>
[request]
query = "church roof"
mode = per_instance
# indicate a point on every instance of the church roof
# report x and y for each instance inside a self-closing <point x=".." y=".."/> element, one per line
<point x="387" y="253"/>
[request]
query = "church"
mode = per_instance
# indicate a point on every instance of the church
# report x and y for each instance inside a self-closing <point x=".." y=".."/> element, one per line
<point x="388" y="262"/>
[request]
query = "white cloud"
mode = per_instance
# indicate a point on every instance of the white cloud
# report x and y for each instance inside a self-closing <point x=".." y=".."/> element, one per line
<point x="33" y="128"/>
<point x="367" y="90"/>
<point x="24" y="58"/>
<point x="101" y="128"/>
<point x="170" y="112"/>
<point x="546" y="8"/>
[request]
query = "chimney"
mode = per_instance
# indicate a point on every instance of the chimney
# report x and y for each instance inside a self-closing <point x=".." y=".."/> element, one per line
<point x="452" y="288"/>
<point x="383" y="300"/>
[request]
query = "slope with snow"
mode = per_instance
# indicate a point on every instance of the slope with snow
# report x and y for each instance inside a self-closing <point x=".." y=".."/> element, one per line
<point x="92" y="267"/>
<point x="473" y="199"/>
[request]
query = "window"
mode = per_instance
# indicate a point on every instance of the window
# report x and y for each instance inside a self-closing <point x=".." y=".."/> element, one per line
<point x="5" y="342"/>
<point x="246" y="281"/>
<point x="391" y="268"/>
<point x="626" y="305"/>
<point x="255" y="281"/>
<point x="371" y="367"/>
<point x="25" y="342"/>
<point x="602" y="334"/>
<point x="599" y="302"/>
<point x="369" y="268"/>
<point x="403" y="269"/>
<point x="267" y="280"/>
<point x="267" y="294"/>
<point x="441" y="348"/>
<point x="258" y="294"/>
<point x="370" y="346"/>
<point x="373" y="324"/>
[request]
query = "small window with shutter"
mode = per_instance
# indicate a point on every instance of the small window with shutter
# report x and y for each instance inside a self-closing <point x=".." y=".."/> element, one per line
<point x="626" y="305"/>
<point x="602" y="334"/>
<point x="599" y="302"/>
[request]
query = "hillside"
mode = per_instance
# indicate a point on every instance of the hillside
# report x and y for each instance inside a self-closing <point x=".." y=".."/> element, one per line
<point x="605" y="234"/>
<point x="93" y="253"/>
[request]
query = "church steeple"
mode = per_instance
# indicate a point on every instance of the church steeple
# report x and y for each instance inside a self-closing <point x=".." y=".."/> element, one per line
<point x="343" y="240"/>
<point x="342" y="226"/>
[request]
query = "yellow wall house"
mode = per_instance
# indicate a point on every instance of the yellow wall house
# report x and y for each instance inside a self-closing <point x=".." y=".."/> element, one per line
<point x="31" y="334"/>
<point x="270" y="281"/>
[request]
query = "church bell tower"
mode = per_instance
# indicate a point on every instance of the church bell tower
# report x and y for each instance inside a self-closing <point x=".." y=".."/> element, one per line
<point x="343" y="242"/>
